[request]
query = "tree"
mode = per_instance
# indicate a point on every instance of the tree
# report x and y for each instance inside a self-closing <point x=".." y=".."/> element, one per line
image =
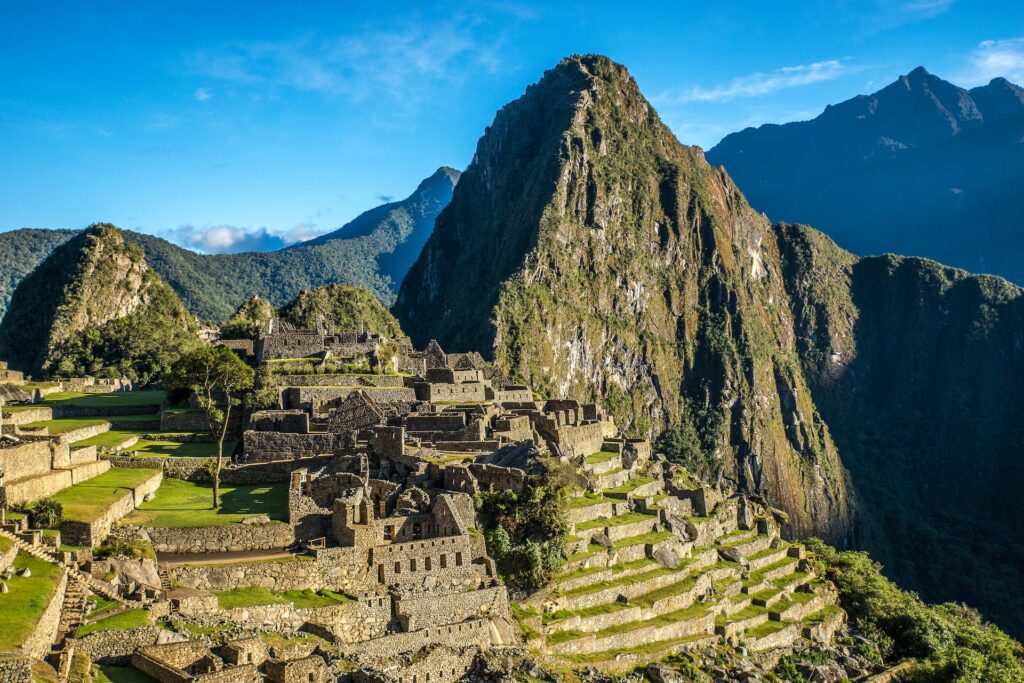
<point x="218" y="378"/>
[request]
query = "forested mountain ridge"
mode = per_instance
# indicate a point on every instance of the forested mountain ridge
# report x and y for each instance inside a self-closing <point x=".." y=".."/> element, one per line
<point x="920" y="167"/>
<point x="94" y="306"/>
<point x="372" y="251"/>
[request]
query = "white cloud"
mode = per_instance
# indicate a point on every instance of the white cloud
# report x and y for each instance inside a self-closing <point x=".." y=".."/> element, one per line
<point x="398" y="62"/>
<point x="230" y="239"/>
<point x="926" y="8"/>
<point x="202" y="94"/>
<point x="759" y="84"/>
<point x="993" y="58"/>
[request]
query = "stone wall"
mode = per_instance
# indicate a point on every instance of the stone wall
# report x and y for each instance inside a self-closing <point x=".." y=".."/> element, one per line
<point x="15" y="669"/>
<point x="455" y="393"/>
<point x="31" y="457"/>
<point x="338" y="569"/>
<point x="268" y="446"/>
<point x="223" y="538"/>
<point x="116" y="647"/>
<point x="20" y="417"/>
<point x="339" y="380"/>
<point x="415" y="613"/>
<point x="437" y="665"/>
<point x="183" y="421"/>
<point x="293" y="421"/>
<point x="439" y="565"/>
<point x="45" y="631"/>
<point x="584" y="439"/>
<point x="475" y="632"/>
<point x="92" y="533"/>
<point x="304" y="398"/>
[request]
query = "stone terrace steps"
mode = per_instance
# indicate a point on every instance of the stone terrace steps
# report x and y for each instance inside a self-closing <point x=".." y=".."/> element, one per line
<point x="36" y="551"/>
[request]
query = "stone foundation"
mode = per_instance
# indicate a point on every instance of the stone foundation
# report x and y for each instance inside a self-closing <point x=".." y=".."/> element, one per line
<point x="224" y="538"/>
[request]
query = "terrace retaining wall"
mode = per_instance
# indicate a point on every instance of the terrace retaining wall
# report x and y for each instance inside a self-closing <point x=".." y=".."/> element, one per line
<point x="42" y="637"/>
<point x="224" y="538"/>
<point x="92" y="533"/>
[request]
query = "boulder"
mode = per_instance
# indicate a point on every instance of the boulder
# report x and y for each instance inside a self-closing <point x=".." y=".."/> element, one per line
<point x="659" y="673"/>
<point x="667" y="557"/>
<point x="140" y="572"/>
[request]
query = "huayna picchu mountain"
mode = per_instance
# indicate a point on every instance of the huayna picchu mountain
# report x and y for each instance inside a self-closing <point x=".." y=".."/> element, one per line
<point x="589" y="253"/>
<point x="94" y="306"/>
<point x="372" y="251"/>
<point x="919" y="167"/>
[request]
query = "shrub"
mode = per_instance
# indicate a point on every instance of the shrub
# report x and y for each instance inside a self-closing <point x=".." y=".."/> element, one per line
<point x="46" y="514"/>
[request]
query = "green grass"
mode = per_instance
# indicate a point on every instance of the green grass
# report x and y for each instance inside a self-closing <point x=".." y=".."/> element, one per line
<point x="85" y="502"/>
<point x="117" y="399"/>
<point x="185" y="503"/>
<point x="252" y="596"/>
<point x="630" y="486"/>
<point x="25" y="406"/>
<point x="617" y="520"/>
<point x="110" y="439"/>
<point x="133" y="618"/>
<point x="685" y="614"/>
<point x="64" y="425"/>
<point x="588" y="499"/>
<point x="766" y="629"/>
<point x="190" y="449"/>
<point x="101" y="605"/>
<point x="5" y="544"/>
<point x="649" y="538"/>
<point x="103" y="673"/>
<point x="21" y="608"/>
<point x="600" y="456"/>
<point x="646" y="649"/>
<point x="821" y="615"/>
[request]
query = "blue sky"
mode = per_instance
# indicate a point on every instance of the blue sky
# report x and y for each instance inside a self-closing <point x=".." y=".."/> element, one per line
<point x="248" y="125"/>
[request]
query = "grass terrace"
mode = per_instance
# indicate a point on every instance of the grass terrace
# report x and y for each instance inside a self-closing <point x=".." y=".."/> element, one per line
<point x="110" y="439"/>
<point x="117" y="399"/>
<point x="630" y="486"/>
<point x="252" y="596"/>
<point x="600" y="456"/>
<point x="133" y="618"/>
<point x="103" y="673"/>
<point x="63" y="425"/>
<point x="190" y="449"/>
<point x="21" y="609"/>
<point x="618" y="520"/>
<point x="190" y="504"/>
<point x="87" y="501"/>
<point x="588" y="499"/>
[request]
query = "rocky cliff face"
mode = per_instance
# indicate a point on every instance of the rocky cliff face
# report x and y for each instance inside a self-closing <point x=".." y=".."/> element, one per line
<point x="75" y="296"/>
<point x="590" y="254"/>
<point x="917" y="369"/>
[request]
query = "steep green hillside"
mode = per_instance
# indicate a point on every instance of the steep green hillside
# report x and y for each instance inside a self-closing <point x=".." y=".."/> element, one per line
<point x="342" y="306"/>
<point x="373" y="251"/>
<point x="94" y="306"/>
<point x="590" y="254"/>
<point x="917" y="369"/>
<point x="20" y="252"/>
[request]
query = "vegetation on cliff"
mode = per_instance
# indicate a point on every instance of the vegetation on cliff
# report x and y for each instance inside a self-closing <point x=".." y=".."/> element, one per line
<point x="20" y="252"/>
<point x="950" y="642"/>
<point x="95" y="307"/>
<point x="916" y="368"/>
<point x="590" y="254"/>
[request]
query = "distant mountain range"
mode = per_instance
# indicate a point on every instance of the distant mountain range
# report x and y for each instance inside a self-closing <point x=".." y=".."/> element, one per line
<point x="373" y="251"/>
<point x="920" y="167"/>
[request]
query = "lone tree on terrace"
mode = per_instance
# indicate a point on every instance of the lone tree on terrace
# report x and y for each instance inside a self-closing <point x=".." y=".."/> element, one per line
<point x="218" y="378"/>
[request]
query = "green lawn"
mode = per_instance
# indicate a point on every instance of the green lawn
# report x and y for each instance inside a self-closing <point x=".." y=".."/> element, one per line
<point x="65" y="424"/>
<point x="103" y="673"/>
<point x="617" y="520"/>
<point x="252" y="596"/>
<point x="117" y="399"/>
<point x="194" y="449"/>
<point x="133" y="618"/>
<point x="21" y="608"/>
<point x="600" y="456"/>
<point x="110" y="439"/>
<point x="87" y="501"/>
<point x="588" y="499"/>
<point x="184" y="503"/>
<point x="631" y="485"/>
